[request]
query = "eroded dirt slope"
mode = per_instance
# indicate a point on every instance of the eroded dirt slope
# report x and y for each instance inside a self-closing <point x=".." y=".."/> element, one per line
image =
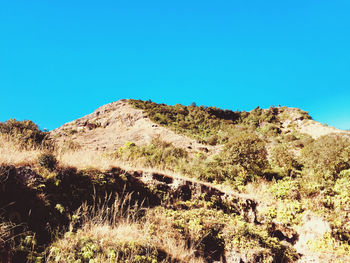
<point x="307" y="126"/>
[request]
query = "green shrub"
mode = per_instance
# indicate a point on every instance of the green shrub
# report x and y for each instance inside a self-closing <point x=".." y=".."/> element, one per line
<point x="246" y="150"/>
<point x="212" y="125"/>
<point x="156" y="154"/>
<point x="270" y="130"/>
<point x="328" y="155"/>
<point x="215" y="232"/>
<point x="89" y="249"/>
<point x="289" y="212"/>
<point x="285" y="189"/>
<point x="202" y="123"/>
<point x="243" y="158"/>
<point x="282" y="158"/>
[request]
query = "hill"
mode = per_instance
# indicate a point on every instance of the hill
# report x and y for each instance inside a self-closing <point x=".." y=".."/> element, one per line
<point x="137" y="181"/>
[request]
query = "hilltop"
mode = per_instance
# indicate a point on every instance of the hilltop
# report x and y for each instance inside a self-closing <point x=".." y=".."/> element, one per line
<point x="137" y="181"/>
<point x="112" y="125"/>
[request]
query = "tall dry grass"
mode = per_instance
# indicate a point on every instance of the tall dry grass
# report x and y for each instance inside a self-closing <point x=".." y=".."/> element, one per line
<point x="7" y="238"/>
<point x="83" y="159"/>
<point x="5" y="233"/>
<point x="13" y="153"/>
<point x="122" y="230"/>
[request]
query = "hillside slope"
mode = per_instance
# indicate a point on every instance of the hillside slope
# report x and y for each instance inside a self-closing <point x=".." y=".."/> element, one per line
<point x="112" y="125"/>
<point x="137" y="181"/>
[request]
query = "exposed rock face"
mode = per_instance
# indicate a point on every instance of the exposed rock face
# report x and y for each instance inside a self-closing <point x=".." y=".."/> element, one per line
<point x="111" y="125"/>
<point x="307" y="125"/>
<point x="316" y="129"/>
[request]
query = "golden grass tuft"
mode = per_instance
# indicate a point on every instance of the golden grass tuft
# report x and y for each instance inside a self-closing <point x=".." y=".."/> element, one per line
<point x="11" y="153"/>
<point x="83" y="159"/>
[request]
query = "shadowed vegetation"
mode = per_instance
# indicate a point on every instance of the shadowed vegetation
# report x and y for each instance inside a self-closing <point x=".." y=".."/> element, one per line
<point x="26" y="133"/>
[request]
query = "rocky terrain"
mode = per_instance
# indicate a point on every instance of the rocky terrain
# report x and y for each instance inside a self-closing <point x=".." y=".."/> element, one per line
<point x="112" y="125"/>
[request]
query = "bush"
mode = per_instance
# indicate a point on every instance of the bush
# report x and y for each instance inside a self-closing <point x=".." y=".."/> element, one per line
<point x="248" y="151"/>
<point x="281" y="157"/>
<point x="156" y="154"/>
<point x="212" y="125"/>
<point x="243" y="158"/>
<point x="26" y="133"/>
<point x="328" y="155"/>
<point x="270" y="130"/>
<point x="47" y="160"/>
<point x="201" y="123"/>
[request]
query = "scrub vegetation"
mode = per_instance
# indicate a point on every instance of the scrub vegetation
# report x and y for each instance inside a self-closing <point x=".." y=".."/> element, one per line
<point x="249" y="200"/>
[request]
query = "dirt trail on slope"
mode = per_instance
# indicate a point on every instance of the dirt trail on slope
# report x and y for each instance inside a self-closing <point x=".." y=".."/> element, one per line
<point x="112" y="125"/>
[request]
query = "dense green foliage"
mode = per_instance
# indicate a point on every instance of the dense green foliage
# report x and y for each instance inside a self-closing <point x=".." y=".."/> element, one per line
<point x="243" y="158"/>
<point x="207" y="124"/>
<point x="212" y="125"/>
<point x="157" y="154"/>
<point x="328" y="155"/>
<point x="224" y="231"/>
<point x="246" y="150"/>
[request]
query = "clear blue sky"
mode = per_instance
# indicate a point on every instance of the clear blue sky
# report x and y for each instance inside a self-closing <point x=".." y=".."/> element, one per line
<point x="60" y="60"/>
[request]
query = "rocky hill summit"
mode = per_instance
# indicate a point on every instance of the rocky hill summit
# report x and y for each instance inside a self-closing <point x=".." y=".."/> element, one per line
<point x="112" y="125"/>
<point x="137" y="181"/>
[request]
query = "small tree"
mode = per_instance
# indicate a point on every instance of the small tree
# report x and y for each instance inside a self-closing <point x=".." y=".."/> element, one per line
<point x="248" y="151"/>
<point x="282" y="158"/>
<point x="329" y="154"/>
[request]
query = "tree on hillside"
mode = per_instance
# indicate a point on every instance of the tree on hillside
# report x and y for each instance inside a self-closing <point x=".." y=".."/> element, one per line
<point x="328" y="155"/>
<point x="248" y="151"/>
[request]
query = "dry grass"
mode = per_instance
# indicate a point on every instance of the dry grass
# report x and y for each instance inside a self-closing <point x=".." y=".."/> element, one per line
<point x="125" y="234"/>
<point x="4" y="233"/>
<point x="119" y="233"/>
<point x="169" y="239"/>
<point x="6" y="237"/>
<point x="83" y="159"/>
<point x="12" y="153"/>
